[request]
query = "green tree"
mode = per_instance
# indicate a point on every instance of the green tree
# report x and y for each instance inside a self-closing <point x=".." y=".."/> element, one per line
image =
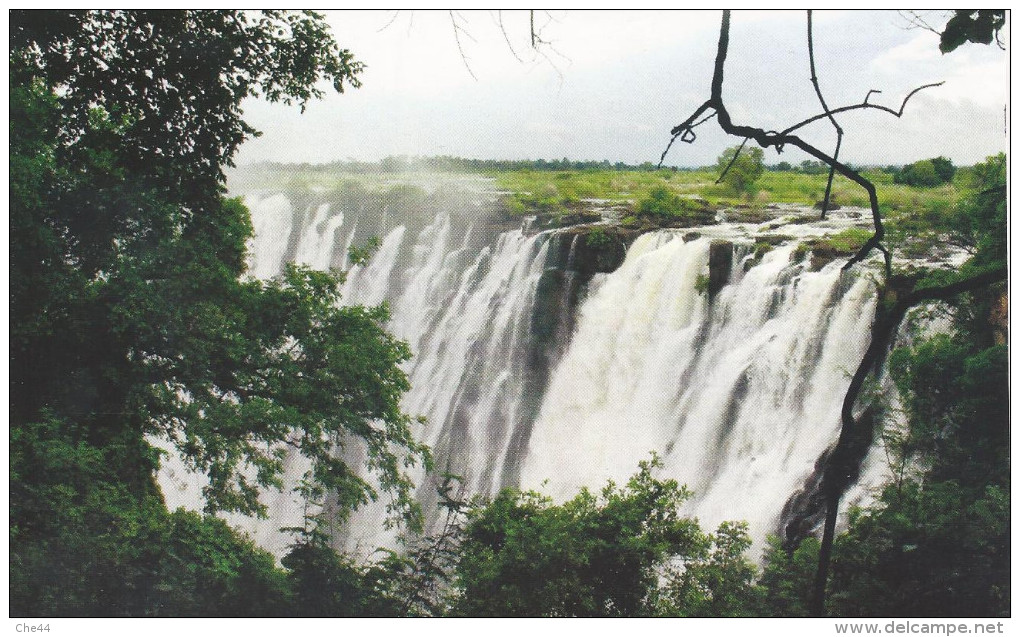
<point x="663" y="202"/>
<point x="741" y="167"/>
<point x="717" y="580"/>
<point x="787" y="578"/>
<point x="82" y="544"/>
<point x="132" y="315"/>
<point x="937" y="541"/>
<point x="969" y="25"/>
<point x="593" y="556"/>
<point x="809" y="167"/>
<point x="127" y="254"/>
<point x="926" y="173"/>
<point x="944" y="168"/>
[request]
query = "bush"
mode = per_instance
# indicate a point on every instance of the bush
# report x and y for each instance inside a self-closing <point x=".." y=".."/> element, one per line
<point x="663" y="202"/>
<point x="926" y="173"/>
<point x="701" y="283"/>
<point x="597" y="238"/>
<point x="595" y="555"/>
<point x="845" y="242"/>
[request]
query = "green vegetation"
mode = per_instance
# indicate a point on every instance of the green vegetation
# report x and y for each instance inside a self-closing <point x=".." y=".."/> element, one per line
<point x="845" y="242"/>
<point x="926" y="173"/>
<point x="701" y="283"/>
<point x="591" y="556"/>
<point x="664" y="203"/>
<point x="967" y="25"/>
<point x="132" y="318"/>
<point x="741" y="167"/>
<point x="761" y="248"/>
<point x="937" y="542"/>
<point x="597" y="237"/>
<point x="531" y="191"/>
<point x="970" y="222"/>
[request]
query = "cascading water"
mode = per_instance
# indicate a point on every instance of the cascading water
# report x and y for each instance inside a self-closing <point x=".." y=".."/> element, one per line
<point x="532" y="372"/>
<point x="739" y="393"/>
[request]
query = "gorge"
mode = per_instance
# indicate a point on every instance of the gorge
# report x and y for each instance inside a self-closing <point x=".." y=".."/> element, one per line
<point x="556" y="359"/>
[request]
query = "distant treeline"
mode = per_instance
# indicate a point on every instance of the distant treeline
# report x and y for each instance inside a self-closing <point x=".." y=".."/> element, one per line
<point x="447" y="163"/>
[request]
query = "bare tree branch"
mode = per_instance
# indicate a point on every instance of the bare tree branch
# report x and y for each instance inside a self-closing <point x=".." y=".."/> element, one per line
<point x="825" y="107"/>
<point x="457" y="29"/>
<point x="506" y="36"/>
<point x="916" y="21"/>
<point x="396" y="14"/>
<point x="779" y="140"/>
<point x="864" y="104"/>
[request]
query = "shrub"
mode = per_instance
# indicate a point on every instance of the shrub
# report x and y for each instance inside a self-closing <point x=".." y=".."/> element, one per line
<point x="662" y="202"/>
<point x="597" y="237"/>
<point x="701" y="283"/>
<point x="926" y="173"/>
<point x="845" y="242"/>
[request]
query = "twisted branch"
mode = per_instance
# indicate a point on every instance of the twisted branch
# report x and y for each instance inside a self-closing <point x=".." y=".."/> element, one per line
<point x="839" y="468"/>
<point x="888" y="318"/>
<point x="864" y="104"/>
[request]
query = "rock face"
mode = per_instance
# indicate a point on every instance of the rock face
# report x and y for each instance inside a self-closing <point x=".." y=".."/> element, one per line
<point x="805" y="510"/>
<point x="576" y="254"/>
<point x="720" y="262"/>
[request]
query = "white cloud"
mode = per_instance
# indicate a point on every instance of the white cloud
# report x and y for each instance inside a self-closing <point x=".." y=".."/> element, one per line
<point x="627" y="77"/>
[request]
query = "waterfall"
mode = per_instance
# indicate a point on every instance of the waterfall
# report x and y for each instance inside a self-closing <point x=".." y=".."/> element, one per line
<point x="738" y="394"/>
<point x="531" y="372"/>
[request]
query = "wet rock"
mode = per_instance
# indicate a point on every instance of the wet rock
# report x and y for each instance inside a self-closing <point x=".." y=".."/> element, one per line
<point x="745" y="213"/>
<point x="720" y="262"/>
<point x="594" y="248"/>
<point x="773" y="239"/>
<point x="821" y="257"/>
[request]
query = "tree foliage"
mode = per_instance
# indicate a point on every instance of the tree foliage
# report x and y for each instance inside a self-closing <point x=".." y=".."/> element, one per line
<point x="926" y="173"/>
<point x="971" y="25"/>
<point x="593" y="556"/>
<point x="126" y="271"/>
<point x="83" y="544"/>
<point x="173" y="81"/>
<point x="937" y="541"/>
<point x="716" y="580"/>
<point x="664" y="203"/>
<point x="132" y="315"/>
<point x="740" y="167"/>
<point x="613" y="554"/>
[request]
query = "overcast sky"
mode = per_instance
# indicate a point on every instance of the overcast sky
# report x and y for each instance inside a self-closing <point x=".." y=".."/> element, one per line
<point x="610" y="85"/>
